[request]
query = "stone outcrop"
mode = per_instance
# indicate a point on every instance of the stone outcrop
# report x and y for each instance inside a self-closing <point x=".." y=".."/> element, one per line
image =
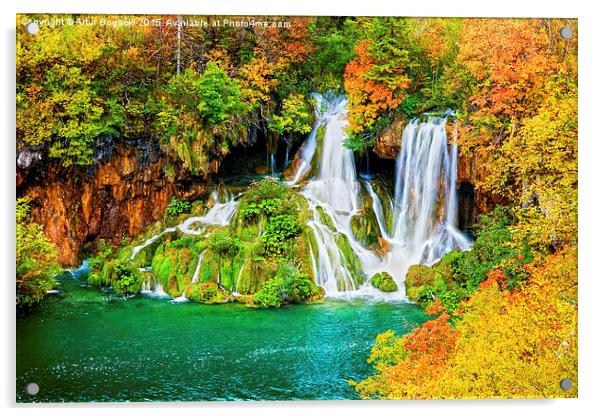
<point x="388" y="143"/>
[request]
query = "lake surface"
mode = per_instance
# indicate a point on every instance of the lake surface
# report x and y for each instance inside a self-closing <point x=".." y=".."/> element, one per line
<point x="86" y="345"/>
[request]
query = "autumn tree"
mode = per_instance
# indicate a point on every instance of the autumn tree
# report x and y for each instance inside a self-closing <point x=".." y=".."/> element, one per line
<point x="36" y="255"/>
<point x="201" y="117"/>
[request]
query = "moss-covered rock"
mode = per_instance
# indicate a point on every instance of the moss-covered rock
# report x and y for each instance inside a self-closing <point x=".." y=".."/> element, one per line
<point x="206" y="292"/>
<point x="384" y="281"/>
<point x="418" y="277"/>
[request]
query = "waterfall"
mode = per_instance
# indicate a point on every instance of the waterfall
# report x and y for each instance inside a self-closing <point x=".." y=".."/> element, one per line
<point x="81" y="271"/>
<point x="326" y="107"/>
<point x="424" y="209"/>
<point x="219" y="214"/>
<point x="334" y="192"/>
<point x="195" y="276"/>
<point x="273" y="164"/>
<point x="425" y="202"/>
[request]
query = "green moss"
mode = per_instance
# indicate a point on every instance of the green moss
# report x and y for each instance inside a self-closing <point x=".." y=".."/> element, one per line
<point x="350" y="261"/>
<point x="326" y="219"/>
<point x="383" y="281"/>
<point x="204" y="292"/>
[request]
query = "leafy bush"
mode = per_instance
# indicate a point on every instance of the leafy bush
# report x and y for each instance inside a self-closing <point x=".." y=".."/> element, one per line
<point x="494" y="247"/>
<point x="289" y="285"/>
<point x="126" y="278"/>
<point x="36" y="255"/>
<point x="249" y="211"/>
<point x="267" y="197"/>
<point x="278" y="229"/>
<point x="177" y="207"/>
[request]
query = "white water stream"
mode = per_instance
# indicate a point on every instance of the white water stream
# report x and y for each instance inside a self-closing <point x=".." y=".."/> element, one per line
<point x="425" y="204"/>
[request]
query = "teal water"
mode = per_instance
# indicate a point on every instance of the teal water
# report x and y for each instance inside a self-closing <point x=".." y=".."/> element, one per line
<point x="85" y="345"/>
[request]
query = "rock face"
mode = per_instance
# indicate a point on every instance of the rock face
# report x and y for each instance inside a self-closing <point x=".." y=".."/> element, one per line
<point x="122" y="194"/>
<point x="388" y="143"/>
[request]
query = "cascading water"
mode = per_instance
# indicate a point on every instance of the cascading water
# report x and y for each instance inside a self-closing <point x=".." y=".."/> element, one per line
<point x="219" y="214"/>
<point x="419" y="226"/>
<point x="334" y="192"/>
<point x="424" y="209"/>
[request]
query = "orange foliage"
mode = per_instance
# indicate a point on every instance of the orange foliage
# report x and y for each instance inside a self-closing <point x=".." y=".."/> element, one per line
<point x="368" y="97"/>
<point x="504" y="344"/>
<point x="510" y="61"/>
<point x="286" y="45"/>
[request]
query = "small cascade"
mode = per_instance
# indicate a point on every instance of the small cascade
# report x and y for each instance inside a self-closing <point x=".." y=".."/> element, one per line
<point x="219" y="214"/>
<point x="82" y="271"/>
<point x="326" y="106"/>
<point x="151" y="286"/>
<point x="180" y="299"/>
<point x="195" y="276"/>
<point x="273" y="164"/>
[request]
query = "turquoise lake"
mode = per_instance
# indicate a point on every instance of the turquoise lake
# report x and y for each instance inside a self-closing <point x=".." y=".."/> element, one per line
<point x="86" y="345"/>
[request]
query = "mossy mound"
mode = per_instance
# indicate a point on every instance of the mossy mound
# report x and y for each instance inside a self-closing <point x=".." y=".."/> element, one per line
<point x="383" y="281"/>
<point x="365" y="225"/>
<point x="265" y="236"/>
<point x="420" y="277"/>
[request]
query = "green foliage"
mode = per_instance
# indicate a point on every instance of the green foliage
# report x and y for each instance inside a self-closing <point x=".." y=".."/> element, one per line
<point x="126" y="279"/>
<point x="278" y="229"/>
<point x="177" y="207"/>
<point x="220" y="96"/>
<point x="334" y="43"/>
<point x="203" y="292"/>
<point x="223" y="243"/>
<point x="249" y="211"/>
<point x="36" y="255"/>
<point x="493" y="247"/>
<point x="268" y="188"/>
<point x="295" y="117"/>
<point x="289" y="285"/>
<point x="267" y="197"/>
<point x="201" y="116"/>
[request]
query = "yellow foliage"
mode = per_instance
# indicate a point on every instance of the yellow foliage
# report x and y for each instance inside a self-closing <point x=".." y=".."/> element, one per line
<point x="504" y="345"/>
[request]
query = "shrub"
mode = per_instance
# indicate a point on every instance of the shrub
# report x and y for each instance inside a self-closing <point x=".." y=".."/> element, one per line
<point x="126" y="279"/>
<point x="36" y="255"/>
<point x="289" y="285"/>
<point x="278" y="229"/>
<point x="177" y="207"/>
